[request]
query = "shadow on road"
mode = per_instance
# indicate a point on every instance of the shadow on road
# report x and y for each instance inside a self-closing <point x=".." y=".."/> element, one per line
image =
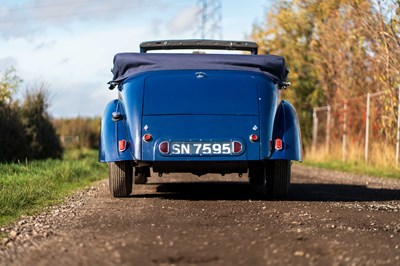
<point x="244" y="191"/>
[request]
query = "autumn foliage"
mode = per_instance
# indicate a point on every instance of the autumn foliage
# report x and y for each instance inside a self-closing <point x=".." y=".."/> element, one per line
<point x="337" y="52"/>
<point x="79" y="132"/>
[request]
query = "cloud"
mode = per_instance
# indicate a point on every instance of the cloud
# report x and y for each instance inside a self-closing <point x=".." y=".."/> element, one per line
<point x="3" y="11"/>
<point x="156" y="26"/>
<point x="76" y="68"/>
<point x="33" y="17"/>
<point x="185" y="20"/>
<point x="7" y="62"/>
<point x="45" y="45"/>
<point x="92" y="99"/>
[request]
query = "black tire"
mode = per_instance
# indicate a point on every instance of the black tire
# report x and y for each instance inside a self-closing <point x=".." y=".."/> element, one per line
<point x="278" y="175"/>
<point x="120" y="178"/>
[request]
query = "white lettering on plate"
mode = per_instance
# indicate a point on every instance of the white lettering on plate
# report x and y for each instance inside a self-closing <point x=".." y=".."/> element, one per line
<point x="185" y="148"/>
<point x="176" y="148"/>
<point x="201" y="148"/>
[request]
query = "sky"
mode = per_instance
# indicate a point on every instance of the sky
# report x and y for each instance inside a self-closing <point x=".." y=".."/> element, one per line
<point x="69" y="44"/>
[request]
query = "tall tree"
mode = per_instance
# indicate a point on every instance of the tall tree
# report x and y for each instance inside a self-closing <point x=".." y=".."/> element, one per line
<point x="384" y="31"/>
<point x="13" y="141"/>
<point x="336" y="50"/>
<point x="288" y="31"/>
<point x="9" y="83"/>
<point x="25" y="129"/>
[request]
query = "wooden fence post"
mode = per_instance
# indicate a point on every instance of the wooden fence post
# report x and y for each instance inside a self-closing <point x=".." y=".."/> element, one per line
<point x="328" y="128"/>
<point x="367" y="128"/>
<point x="344" y="140"/>
<point x="398" y="129"/>
<point x="315" y="131"/>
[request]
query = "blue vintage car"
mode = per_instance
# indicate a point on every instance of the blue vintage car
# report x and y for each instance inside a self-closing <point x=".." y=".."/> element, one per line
<point x="199" y="113"/>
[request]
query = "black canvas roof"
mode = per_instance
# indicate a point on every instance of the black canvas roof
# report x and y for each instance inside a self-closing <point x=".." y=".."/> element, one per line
<point x="129" y="64"/>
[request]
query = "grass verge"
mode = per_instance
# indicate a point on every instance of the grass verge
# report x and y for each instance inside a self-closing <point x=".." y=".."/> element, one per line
<point x="355" y="167"/>
<point x="27" y="188"/>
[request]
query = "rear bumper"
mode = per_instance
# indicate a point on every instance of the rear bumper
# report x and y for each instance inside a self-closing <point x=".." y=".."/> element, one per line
<point x="201" y="168"/>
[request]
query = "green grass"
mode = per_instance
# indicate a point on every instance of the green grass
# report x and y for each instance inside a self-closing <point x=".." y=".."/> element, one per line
<point x="27" y="188"/>
<point x="355" y="167"/>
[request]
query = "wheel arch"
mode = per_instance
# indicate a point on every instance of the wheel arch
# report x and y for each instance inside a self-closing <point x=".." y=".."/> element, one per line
<point x="286" y="127"/>
<point x="111" y="132"/>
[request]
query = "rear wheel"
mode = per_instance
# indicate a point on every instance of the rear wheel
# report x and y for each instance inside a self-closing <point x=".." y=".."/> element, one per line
<point x="277" y="177"/>
<point x="120" y="178"/>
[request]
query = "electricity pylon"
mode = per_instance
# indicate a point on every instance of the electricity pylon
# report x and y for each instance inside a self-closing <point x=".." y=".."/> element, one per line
<point x="210" y="19"/>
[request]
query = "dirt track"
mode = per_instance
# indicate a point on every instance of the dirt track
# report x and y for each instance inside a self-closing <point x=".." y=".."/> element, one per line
<point x="330" y="218"/>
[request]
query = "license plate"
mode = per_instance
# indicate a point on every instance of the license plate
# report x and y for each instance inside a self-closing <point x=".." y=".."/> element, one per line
<point x="202" y="148"/>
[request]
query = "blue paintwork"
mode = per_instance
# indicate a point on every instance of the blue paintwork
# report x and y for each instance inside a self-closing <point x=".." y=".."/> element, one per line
<point x="286" y="127"/>
<point x="208" y="128"/>
<point x="111" y="132"/>
<point x="177" y="105"/>
<point x="215" y="93"/>
<point x="268" y="96"/>
<point x="132" y="93"/>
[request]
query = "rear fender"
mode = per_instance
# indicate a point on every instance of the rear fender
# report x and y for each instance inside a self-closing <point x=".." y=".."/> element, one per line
<point x="111" y="133"/>
<point x="286" y="128"/>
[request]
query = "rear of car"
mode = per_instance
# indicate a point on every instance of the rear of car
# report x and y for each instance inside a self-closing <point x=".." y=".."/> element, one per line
<point x="201" y="118"/>
<point x="199" y="114"/>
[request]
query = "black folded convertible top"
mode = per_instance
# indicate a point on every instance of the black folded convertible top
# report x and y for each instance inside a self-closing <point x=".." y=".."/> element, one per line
<point x="129" y="64"/>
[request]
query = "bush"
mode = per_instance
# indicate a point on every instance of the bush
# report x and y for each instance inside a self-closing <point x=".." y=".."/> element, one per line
<point x="26" y="131"/>
<point x="41" y="135"/>
<point x="13" y="140"/>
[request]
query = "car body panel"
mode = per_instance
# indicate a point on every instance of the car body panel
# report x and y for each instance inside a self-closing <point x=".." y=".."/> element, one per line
<point x="286" y="128"/>
<point x="200" y="128"/>
<point x="200" y="92"/>
<point x="200" y="106"/>
<point x="111" y="133"/>
<point x="257" y="100"/>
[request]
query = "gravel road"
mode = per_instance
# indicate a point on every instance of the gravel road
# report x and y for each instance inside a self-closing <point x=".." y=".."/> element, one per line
<point x="330" y="218"/>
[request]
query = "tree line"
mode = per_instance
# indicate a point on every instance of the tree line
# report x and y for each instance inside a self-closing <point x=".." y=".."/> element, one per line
<point x="336" y="50"/>
<point x="78" y="132"/>
<point x="27" y="132"/>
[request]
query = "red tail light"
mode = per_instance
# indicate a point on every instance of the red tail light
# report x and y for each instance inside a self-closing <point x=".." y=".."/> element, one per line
<point x="237" y="147"/>
<point x="278" y="144"/>
<point x="253" y="137"/>
<point x="164" y="147"/>
<point x="147" y="137"/>
<point x="122" y="145"/>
